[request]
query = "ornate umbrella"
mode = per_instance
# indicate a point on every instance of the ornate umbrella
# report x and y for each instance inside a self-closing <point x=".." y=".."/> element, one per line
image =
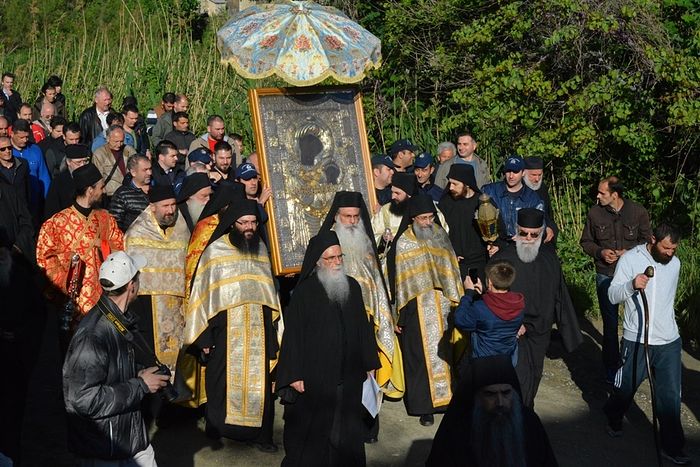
<point x="300" y="41"/>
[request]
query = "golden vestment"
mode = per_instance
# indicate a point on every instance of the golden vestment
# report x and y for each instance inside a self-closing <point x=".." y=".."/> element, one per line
<point x="198" y="241"/>
<point x="376" y="299"/>
<point x="93" y="238"/>
<point x="428" y="271"/>
<point x="163" y="278"/>
<point x="239" y="283"/>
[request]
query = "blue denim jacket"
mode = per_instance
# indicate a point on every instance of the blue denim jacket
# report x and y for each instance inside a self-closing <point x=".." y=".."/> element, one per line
<point x="509" y="203"/>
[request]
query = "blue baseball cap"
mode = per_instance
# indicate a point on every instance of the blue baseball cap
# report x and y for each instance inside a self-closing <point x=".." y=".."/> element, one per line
<point x="200" y="155"/>
<point x="246" y="171"/>
<point x="514" y="164"/>
<point x="402" y="145"/>
<point x="423" y="160"/>
<point x="383" y="160"/>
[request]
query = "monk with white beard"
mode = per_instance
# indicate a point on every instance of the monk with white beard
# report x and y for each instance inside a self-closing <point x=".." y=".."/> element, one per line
<point x="350" y="219"/>
<point x="327" y="352"/>
<point x="539" y="278"/>
<point x="193" y="196"/>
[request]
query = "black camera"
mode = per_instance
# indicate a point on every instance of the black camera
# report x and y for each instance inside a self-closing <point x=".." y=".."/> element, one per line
<point x="169" y="393"/>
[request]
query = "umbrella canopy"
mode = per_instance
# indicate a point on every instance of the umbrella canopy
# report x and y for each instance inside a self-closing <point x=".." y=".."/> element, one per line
<point x="300" y="41"/>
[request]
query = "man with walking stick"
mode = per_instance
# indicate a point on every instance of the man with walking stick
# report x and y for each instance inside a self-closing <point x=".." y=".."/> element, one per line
<point x="649" y="296"/>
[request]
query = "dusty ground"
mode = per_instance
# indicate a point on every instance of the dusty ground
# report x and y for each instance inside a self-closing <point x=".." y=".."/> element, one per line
<point x="569" y="403"/>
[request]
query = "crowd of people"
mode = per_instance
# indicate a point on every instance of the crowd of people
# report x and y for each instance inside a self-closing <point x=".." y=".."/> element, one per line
<point x="150" y="250"/>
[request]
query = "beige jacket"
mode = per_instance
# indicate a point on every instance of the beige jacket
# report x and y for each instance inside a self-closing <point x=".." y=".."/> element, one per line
<point x="104" y="161"/>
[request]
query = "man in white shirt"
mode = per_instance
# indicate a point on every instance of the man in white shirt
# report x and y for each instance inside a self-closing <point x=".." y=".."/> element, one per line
<point x="628" y="285"/>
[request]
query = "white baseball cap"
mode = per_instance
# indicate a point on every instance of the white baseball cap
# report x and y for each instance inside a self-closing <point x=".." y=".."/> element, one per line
<point x="119" y="268"/>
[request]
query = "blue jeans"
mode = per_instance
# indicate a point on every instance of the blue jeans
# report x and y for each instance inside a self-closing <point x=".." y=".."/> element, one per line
<point x="609" y="314"/>
<point x="665" y="362"/>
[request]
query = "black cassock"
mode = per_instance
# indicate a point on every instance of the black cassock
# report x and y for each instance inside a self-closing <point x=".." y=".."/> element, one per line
<point x="331" y="348"/>
<point x="546" y="300"/>
<point x="464" y="232"/>
<point x="61" y="194"/>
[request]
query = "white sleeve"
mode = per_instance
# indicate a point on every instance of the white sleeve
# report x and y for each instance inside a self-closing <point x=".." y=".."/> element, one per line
<point x="621" y="286"/>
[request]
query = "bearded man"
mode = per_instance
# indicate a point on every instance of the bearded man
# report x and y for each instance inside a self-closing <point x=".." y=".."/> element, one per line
<point x="194" y="195"/>
<point x="62" y="189"/>
<point x="459" y="205"/>
<point x="540" y="279"/>
<point x="425" y="283"/>
<point x="486" y="423"/>
<point x="386" y="222"/>
<point x="327" y="352"/>
<point x="161" y="236"/>
<point x="349" y="218"/>
<point x="79" y="237"/>
<point x="232" y="311"/>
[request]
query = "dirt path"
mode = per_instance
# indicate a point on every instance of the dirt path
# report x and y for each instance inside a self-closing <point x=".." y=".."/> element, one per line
<point x="569" y="402"/>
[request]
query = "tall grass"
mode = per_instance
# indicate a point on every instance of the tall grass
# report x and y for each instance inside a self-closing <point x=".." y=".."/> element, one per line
<point x="147" y="57"/>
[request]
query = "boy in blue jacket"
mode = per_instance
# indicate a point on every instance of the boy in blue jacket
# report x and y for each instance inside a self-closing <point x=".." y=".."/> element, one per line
<point x="495" y="321"/>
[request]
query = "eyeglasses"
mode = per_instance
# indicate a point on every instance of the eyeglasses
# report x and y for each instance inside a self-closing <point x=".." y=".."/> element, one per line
<point x="244" y="223"/>
<point x="333" y="259"/>
<point x="6" y="148"/>
<point x="524" y="234"/>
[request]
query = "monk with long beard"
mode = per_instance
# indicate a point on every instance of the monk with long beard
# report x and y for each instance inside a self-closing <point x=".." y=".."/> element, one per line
<point x="539" y="278"/>
<point x="327" y="352"/>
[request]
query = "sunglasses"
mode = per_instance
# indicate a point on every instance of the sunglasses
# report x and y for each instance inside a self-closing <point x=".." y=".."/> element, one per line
<point x="524" y="234"/>
<point x="6" y="148"/>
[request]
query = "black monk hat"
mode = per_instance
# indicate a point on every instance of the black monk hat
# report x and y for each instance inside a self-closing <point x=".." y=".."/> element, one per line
<point x="421" y="204"/>
<point x="463" y="173"/>
<point x="530" y="218"/>
<point x="192" y="184"/>
<point x="404" y="181"/>
<point x="160" y="193"/>
<point x="317" y="245"/>
<point x="533" y="163"/>
<point x="85" y="176"/>
<point x="77" y="151"/>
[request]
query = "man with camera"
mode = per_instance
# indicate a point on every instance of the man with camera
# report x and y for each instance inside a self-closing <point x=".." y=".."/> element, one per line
<point x="102" y="389"/>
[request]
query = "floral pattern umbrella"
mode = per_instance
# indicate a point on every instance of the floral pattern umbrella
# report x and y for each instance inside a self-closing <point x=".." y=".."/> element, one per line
<point x="300" y="41"/>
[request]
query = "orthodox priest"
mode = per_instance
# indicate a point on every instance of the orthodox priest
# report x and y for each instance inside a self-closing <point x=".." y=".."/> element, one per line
<point x="161" y="236"/>
<point x="486" y="423"/>
<point x="539" y="278"/>
<point x="459" y="205"/>
<point x="350" y="220"/>
<point x="232" y="313"/>
<point x="194" y="194"/>
<point x="328" y="351"/>
<point x="62" y="189"/>
<point x="424" y="276"/>
<point x="74" y="242"/>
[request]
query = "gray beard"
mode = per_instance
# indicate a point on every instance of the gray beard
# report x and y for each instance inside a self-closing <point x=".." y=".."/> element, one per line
<point x="532" y="186"/>
<point x="5" y="266"/>
<point x="527" y="252"/>
<point x="498" y="439"/>
<point x="354" y="241"/>
<point x="195" y="209"/>
<point x="335" y="283"/>
<point x="422" y="233"/>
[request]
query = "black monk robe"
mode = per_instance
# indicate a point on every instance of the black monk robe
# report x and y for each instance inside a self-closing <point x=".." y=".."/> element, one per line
<point x="331" y="348"/>
<point x="547" y="301"/>
<point x="464" y="232"/>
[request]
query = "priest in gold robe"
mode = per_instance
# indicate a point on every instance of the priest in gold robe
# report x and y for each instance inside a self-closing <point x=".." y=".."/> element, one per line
<point x="73" y="243"/>
<point x="161" y="236"/>
<point x="232" y="325"/>
<point x="425" y="281"/>
<point x="349" y="218"/>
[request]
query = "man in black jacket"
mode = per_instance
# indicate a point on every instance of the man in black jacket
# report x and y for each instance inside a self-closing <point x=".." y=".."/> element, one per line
<point x="14" y="170"/>
<point x="11" y="98"/>
<point x="62" y="190"/>
<point x="102" y="389"/>
<point x="131" y="198"/>
<point x="93" y="120"/>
